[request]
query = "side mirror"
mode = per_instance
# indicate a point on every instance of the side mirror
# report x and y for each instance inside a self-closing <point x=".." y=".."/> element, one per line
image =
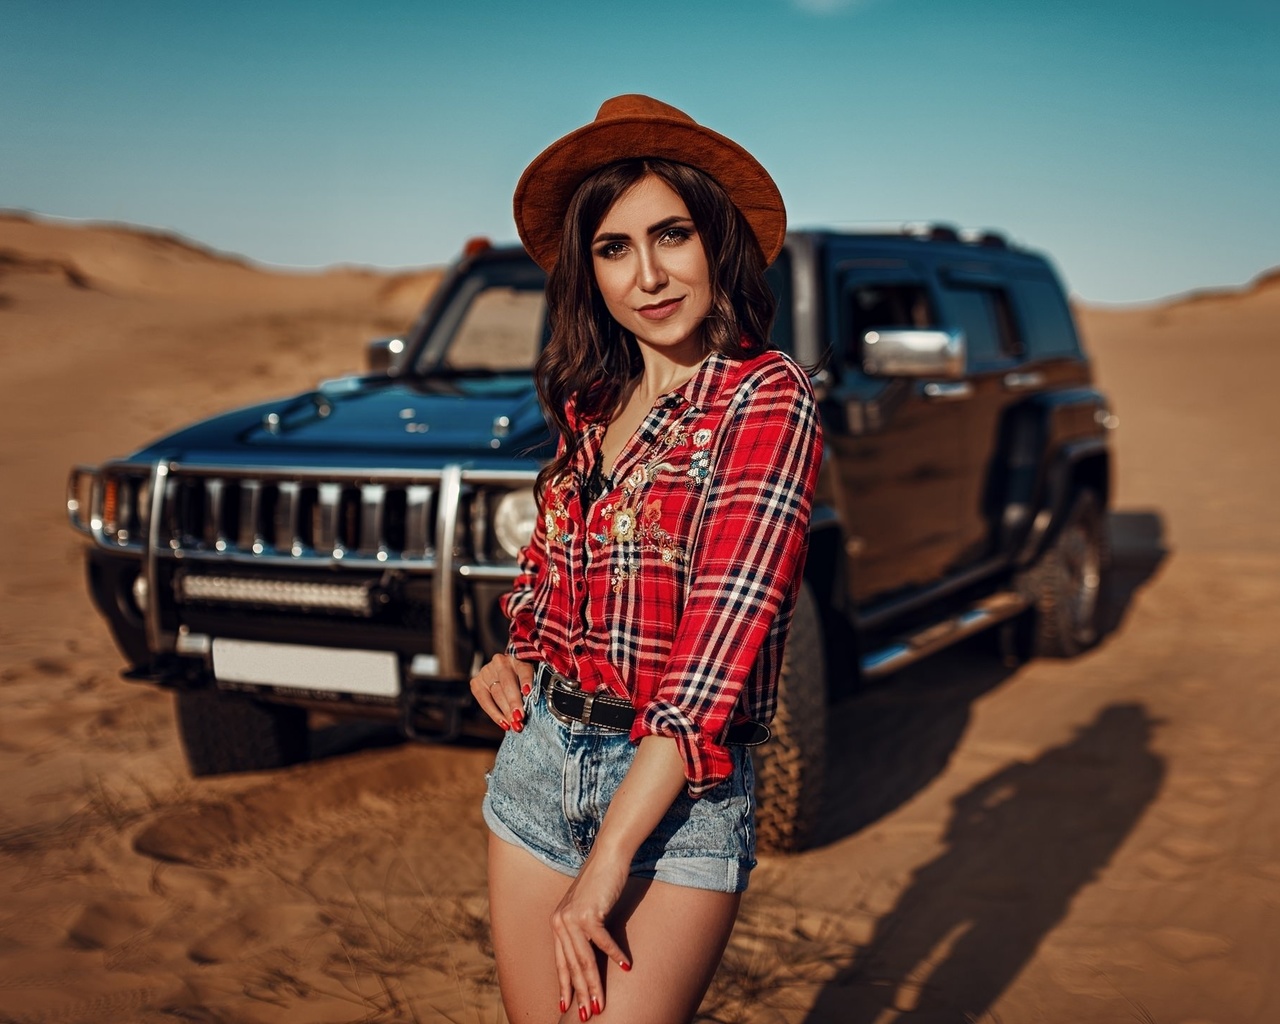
<point x="821" y="380"/>
<point x="383" y="355"/>
<point x="910" y="352"/>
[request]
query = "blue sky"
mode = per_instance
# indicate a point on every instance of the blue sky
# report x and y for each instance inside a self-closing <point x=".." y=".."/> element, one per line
<point x="1138" y="143"/>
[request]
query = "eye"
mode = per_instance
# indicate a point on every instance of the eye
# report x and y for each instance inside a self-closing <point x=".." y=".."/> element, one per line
<point x="676" y="236"/>
<point x="610" y="250"/>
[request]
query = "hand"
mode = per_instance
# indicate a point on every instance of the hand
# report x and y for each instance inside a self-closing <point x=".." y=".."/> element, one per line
<point x="499" y="690"/>
<point x="578" y="925"/>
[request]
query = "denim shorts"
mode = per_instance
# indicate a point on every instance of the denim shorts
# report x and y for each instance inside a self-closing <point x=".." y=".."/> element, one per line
<point x="551" y="785"/>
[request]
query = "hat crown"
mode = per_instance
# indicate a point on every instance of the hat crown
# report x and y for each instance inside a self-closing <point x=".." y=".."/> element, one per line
<point x="634" y="104"/>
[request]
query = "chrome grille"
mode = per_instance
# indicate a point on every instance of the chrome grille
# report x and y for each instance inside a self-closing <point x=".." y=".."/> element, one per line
<point x="264" y="517"/>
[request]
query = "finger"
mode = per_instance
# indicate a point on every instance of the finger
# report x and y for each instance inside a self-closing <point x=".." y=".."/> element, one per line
<point x="483" y="693"/>
<point x="603" y="938"/>
<point x="487" y="705"/>
<point x="524" y="671"/>
<point x="580" y="959"/>
<point x="590" y="990"/>
<point x="504" y="687"/>
<point x="564" y="979"/>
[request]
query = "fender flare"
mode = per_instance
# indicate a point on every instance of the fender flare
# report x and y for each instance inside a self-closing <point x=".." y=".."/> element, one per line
<point x="1086" y="459"/>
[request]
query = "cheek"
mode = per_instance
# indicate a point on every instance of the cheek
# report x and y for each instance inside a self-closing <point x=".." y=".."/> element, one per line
<point x="697" y="277"/>
<point x="613" y="287"/>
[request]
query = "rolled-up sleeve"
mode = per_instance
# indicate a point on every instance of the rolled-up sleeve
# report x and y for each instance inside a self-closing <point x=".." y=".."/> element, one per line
<point x="744" y="570"/>
<point x="517" y="604"/>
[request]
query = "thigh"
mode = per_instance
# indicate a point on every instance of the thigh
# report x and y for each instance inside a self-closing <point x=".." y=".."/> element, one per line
<point x="522" y="894"/>
<point x="675" y="936"/>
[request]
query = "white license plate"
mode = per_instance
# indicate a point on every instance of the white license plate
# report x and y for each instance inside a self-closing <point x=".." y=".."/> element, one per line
<point x="299" y="667"/>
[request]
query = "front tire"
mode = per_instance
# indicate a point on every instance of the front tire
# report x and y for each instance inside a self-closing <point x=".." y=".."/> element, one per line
<point x="1066" y="586"/>
<point x="231" y="732"/>
<point x="790" y="767"/>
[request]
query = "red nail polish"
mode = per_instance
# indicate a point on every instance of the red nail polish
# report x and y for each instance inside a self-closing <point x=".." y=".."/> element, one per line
<point x="518" y="715"/>
<point x="595" y="1006"/>
<point x="582" y="1014"/>
<point x="564" y="1007"/>
<point x="624" y="965"/>
<point x="504" y="725"/>
<point x="526" y="689"/>
<point x="518" y="727"/>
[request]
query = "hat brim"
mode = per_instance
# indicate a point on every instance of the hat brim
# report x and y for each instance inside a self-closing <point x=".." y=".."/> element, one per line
<point x="543" y="194"/>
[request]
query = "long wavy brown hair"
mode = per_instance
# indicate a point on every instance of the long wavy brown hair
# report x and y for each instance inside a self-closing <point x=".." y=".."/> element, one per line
<point x="591" y="360"/>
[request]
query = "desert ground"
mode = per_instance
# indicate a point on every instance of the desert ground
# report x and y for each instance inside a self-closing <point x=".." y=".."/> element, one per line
<point x="1096" y="840"/>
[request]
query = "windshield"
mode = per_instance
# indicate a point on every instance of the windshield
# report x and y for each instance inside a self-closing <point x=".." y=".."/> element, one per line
<point x="494" y="324"/>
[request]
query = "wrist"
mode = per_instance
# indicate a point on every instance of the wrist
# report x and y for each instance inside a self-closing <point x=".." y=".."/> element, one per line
<point x="609" y="854"/>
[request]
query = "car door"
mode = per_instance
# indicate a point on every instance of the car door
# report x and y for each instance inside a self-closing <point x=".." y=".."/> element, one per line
<point x="979" y="301"/>
<point x="894" y="442"/>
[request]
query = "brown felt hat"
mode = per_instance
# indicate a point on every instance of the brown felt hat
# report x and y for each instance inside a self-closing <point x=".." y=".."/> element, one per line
<point x="632" y="127"/>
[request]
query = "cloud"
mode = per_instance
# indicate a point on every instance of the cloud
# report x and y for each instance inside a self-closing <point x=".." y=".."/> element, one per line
<point x="824" y="7"/>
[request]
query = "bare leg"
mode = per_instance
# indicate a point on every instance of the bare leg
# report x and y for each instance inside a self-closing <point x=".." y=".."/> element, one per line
<point x="522" y="894"/>
<point x="674" y="935"/>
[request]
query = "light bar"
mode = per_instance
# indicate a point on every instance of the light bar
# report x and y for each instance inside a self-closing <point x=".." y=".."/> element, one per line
<point x="353" y="599"/>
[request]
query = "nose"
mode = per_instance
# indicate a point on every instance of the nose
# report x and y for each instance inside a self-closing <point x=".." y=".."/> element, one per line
<point x="651" y="274"/>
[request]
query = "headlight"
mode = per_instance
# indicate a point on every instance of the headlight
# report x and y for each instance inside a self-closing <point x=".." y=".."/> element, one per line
<point x="513" y="520"/>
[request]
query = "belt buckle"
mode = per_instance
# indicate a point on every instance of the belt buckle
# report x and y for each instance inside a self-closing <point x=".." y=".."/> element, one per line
<point x="555" y="681"/>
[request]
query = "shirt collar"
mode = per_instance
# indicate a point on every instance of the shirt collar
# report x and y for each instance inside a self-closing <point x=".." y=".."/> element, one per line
<point x="701" y="389"/>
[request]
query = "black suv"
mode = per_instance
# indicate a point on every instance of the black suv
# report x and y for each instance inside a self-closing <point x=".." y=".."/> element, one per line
<point x="345" y="548"/>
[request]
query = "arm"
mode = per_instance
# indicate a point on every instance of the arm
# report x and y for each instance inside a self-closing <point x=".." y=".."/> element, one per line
<point x="744" y="571"/>
<point x="499" y="685"/>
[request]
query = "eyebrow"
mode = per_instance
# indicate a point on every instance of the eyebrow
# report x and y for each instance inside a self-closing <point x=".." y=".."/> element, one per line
<point x="666" y="222"/>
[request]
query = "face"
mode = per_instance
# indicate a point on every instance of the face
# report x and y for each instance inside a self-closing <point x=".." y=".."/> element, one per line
<point x="652" y="270"/>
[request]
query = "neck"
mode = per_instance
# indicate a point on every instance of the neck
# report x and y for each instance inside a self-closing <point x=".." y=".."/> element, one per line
<point x="667" y="370"/>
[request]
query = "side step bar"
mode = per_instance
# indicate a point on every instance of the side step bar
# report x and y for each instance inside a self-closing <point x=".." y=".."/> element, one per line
<point x="910" y="648"/>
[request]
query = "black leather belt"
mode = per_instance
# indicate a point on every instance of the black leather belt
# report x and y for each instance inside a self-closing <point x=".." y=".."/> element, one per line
<point x="570" y="703"/>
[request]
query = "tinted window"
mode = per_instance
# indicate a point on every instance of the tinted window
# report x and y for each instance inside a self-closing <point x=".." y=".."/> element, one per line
<point x="985" y="316"/>
<point x="1044" y="311"/>
<point x="779" y="278"/>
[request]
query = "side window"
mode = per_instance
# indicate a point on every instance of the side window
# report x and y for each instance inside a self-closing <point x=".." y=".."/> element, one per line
<point x="778" y="277"/>
<point x="986" y="317"/>
<point x="1044" y="311"/>
<point x="871" y="306"/>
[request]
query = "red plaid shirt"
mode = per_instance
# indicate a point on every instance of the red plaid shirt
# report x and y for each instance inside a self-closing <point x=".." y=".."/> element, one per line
<point x="676" y="587"/>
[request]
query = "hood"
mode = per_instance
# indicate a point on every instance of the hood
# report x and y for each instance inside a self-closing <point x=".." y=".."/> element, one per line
<point x="358" y="419"/>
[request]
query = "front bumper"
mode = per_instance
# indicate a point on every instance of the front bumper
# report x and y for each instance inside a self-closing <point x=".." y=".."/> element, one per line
<point x="347" y="559"/>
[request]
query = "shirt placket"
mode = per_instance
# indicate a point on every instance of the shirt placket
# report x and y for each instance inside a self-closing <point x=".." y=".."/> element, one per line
<point x="590" y="608"/>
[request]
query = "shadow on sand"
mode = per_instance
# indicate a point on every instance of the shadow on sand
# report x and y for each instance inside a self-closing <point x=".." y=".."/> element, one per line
<point x="1020" y="845"/>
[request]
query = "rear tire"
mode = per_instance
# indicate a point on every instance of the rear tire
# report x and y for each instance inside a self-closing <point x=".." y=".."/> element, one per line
<point x="230" y="732"/>
<point x="790" y="767"/>
<point x="1067" y="585"/>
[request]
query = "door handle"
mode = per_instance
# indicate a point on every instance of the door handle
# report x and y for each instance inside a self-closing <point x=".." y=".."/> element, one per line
<point x="1023" y="381"/>
<point x="938" y="391"/>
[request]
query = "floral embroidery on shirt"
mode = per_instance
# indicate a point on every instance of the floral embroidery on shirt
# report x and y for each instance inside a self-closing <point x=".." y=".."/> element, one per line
<point x="645" y="531"/>
<point x="626" y="522"/>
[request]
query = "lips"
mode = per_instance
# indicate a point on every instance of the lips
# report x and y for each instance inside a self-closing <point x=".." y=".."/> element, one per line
<point x="660" y="310"/>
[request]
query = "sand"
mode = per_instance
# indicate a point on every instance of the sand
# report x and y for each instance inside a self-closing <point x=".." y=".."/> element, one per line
<point x="1092" y="840"/>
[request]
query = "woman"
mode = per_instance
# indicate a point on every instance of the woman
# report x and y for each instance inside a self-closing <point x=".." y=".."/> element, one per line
<point x="654" y="598"/>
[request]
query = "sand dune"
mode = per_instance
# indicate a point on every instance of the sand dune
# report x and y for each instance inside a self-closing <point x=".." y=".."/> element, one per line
<point x="1089" y="841"/>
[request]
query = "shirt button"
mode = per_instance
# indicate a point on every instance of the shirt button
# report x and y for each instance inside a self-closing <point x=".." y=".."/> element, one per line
<point x="579" y="648"/>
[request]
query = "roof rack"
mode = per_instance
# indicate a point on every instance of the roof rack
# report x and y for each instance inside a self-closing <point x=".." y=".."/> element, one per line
<point x="936" y="231"/>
